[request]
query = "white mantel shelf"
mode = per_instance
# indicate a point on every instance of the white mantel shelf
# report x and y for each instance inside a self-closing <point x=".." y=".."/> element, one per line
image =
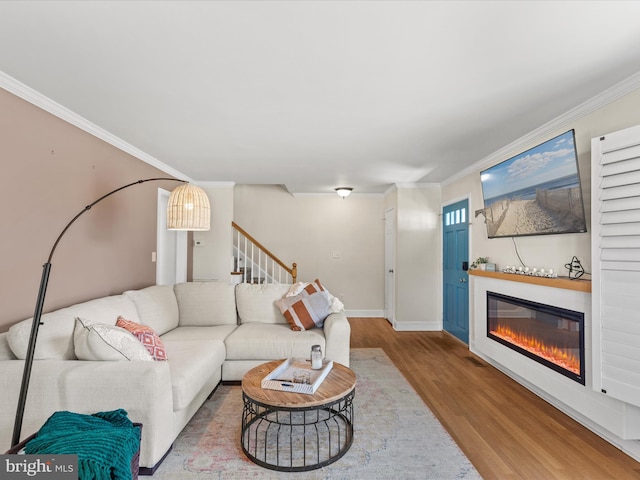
<point x="560" y="282"/>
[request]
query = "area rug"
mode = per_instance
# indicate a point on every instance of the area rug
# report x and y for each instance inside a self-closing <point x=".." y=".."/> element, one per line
<point x="395" y="436"/>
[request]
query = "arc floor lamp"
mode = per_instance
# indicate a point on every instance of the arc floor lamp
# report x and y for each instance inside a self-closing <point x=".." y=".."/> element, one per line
<point x="188" y="209"/>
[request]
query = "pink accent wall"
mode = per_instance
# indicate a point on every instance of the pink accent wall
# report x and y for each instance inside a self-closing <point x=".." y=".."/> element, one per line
<point x="49" y="171"/>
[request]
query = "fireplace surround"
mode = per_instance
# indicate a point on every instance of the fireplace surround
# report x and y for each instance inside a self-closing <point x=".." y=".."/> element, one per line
<point x="550" y="335"/>
<point x="616" y="421"/>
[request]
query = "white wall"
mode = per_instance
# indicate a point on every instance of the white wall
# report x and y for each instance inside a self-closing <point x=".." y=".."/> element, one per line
<point x="212" y="260"/>
<point x="308" y="230"/>
<point x="418" y="270"/>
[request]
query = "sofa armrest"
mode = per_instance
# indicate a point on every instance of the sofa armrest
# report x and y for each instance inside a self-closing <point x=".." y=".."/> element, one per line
<point x="143" y="389"/>
<point x="337" y="334"/>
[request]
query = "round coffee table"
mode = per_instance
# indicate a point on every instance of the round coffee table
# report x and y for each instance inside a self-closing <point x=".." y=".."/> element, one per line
<point x="295" y="432"/>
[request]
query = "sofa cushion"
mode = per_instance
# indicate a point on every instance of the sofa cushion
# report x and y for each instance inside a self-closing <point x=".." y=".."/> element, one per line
<point x="256" y="302"/>
<point x="146" y="336"/>
<point x="216" y="332"/>
<point x="192" y="363"/>
<point x="55" y="335"/>
<point x="259" y="341"/>
<point x="157" y="307"/>
<point x="98" y="341"/>
<point x="206" y="303"/>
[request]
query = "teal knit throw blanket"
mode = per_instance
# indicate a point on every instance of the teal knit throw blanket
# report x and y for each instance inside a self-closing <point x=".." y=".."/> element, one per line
<point x="105" y="442"/>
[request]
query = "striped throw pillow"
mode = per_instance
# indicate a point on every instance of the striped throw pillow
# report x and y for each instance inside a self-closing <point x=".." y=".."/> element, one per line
<point x="305" y="310"/>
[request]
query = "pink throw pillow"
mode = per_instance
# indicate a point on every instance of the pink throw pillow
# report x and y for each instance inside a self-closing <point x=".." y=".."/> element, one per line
<point x="147" y="336"/>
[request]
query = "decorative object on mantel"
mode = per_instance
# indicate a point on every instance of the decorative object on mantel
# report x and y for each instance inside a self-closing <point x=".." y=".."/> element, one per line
<point x="531" y="271"/>
<point x="576" y="270"/>
<point x="188" y="209"/>
<point x="480" y="262"/>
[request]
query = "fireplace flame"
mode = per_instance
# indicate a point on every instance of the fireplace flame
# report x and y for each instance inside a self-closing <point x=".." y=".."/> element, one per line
<point x="563" y="357"/>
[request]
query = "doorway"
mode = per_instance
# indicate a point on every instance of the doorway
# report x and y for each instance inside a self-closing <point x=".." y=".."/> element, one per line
<point x="171" y="258"/>
<point x="455" y="244"/>
<point x="389" y="265"/>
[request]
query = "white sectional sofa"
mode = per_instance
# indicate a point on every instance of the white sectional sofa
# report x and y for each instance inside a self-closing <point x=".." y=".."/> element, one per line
<point x="212" y="332"/>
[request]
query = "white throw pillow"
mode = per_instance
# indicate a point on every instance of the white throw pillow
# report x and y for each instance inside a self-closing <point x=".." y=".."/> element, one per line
<point x="98" y="341"/>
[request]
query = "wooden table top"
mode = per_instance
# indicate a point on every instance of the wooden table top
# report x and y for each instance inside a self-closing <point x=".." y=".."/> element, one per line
<point x="339" y="382"/>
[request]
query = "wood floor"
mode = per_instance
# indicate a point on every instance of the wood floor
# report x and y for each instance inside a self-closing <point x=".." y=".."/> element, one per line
<point x="505" y="430"/>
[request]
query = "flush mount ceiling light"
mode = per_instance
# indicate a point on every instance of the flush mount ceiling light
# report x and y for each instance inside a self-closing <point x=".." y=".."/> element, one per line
<point x="344" y="191"/>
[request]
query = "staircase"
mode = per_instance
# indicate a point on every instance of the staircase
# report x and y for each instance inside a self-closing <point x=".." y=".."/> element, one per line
<point x="253" y="263"/>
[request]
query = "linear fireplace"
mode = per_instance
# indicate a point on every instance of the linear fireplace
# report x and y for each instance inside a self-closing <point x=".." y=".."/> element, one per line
<point x="550" y="335"/>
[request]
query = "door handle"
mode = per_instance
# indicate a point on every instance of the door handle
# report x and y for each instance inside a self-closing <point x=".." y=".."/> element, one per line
<point x="463" y="280"/>
<point x="391" y="271"/>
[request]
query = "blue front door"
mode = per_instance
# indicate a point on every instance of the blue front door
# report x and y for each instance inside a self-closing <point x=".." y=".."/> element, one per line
<point x="455" y="243"/>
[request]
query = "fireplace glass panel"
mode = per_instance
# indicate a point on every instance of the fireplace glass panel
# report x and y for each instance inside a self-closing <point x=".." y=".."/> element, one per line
<point x="550" y="335"/>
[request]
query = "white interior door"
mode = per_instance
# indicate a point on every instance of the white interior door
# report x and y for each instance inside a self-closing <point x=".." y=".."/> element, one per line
<point x="389" y="265"/>
<point x="171" y="258"/>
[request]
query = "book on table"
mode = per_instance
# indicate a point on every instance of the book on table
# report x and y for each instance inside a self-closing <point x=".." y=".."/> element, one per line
<point x="287" y="377"/>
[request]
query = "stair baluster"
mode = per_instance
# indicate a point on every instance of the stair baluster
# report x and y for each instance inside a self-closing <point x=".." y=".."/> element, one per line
<point x="252" y="260"/>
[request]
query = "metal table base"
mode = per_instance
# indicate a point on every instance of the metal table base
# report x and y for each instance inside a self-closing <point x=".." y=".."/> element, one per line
<point x="294" y="439"/>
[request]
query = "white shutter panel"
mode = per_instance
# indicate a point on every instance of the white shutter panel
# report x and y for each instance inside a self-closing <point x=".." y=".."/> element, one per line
<point x="615" y="245"/>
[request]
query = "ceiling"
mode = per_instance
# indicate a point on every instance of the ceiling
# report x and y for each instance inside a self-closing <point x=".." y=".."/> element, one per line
<point x="317" y="94"/>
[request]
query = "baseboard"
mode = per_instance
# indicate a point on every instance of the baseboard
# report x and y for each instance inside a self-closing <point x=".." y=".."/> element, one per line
<point x="365" y="313"/>
<point x="417" y="326"/>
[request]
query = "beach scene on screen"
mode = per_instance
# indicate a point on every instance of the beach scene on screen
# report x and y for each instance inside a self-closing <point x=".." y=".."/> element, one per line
<point x="535" y="193"/>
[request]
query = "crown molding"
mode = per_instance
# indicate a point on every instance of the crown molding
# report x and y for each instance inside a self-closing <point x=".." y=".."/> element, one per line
<point x="30" y="95"/>
<point x="541" y="133"/>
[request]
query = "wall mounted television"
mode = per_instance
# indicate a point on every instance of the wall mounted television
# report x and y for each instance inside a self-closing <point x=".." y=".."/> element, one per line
<point x="535" y="193"/>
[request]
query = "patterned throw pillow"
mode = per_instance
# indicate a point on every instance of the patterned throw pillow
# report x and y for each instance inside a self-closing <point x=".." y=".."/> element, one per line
<point x="147" y="336"/>
<point x="307" y="309"/>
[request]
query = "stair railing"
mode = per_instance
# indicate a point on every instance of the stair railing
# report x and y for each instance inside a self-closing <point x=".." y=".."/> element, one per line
<point x="256" y="264"/>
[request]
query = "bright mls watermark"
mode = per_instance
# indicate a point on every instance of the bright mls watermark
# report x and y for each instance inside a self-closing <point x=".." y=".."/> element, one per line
<point x="49" y="467"/>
